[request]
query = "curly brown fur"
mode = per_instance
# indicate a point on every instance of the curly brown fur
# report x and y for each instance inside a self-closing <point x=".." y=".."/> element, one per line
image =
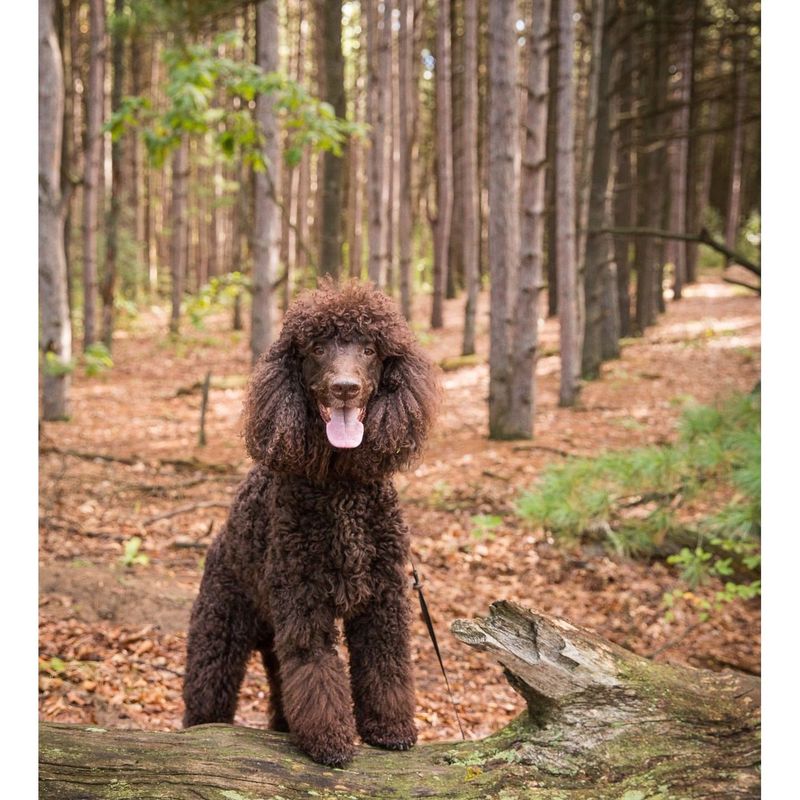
<point x="315" y="533"/>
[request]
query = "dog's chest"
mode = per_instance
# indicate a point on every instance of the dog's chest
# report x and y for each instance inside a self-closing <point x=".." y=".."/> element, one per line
<point x="350" y="553"/>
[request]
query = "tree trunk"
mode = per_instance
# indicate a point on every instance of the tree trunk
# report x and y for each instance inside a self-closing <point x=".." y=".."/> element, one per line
<point x="601" y="723"/>
<point x="594" y="96"/>
<point x="93" y="167"/>
<point x="565" y="209"/>
<point x="597" y="252"/>
<point x="455" y="253"/>
<point x="679" y="153"/>
<point x="660" y="195"/>
<point x="355" y="195"/>
<point x="503" y="143"/>
<point x="65" y="22"/>
<point x="647" y="186"/>
<point x="180" y="229"/>
<point x="532" y="220"/>
<point x="377" y="183"/>
<point x="266" y="242"/>
<point x="444" y="164"/>
<point x="392" y="144"/>
<point x="551" y="179"/>
<point x="115" y="202"/>
<point x="469" y="201"/>
<point x="624" y="187"/>
<point x="692" y="141"/>
<point x="55" y="342"/>
<point x="734" y="210"/>
<point x="406" y="143"/>
<point x="138" y="61"/>
<point x="329" y="20"/>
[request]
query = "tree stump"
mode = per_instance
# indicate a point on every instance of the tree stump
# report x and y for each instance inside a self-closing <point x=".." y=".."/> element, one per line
<point x="601" y="723"/>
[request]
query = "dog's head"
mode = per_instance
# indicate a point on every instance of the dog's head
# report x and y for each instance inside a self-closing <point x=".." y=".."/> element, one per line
<point x="345" y="391"/>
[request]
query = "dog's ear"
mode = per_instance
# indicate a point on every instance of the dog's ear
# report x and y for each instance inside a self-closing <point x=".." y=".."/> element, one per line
<point x="276" y="424"/>
<point x="402" y="410"/>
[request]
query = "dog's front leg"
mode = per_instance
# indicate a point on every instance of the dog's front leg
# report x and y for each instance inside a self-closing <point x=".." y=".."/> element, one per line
<point x="380" y="667"/>
<point x="316" y="697"/>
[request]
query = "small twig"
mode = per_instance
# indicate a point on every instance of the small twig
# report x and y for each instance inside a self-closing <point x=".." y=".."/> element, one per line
<point x="677" y="640"/>
<point x="737" y="282"/>
<point x="630" y="501"/>
<point x="704" y="237"/>
<point x="63" y="526"/>
<point x="523" y="447"/>
<point x="144" y="663"/>
<point x="163" y="488"/>
<point x="195" y="463"/>
<point x="489" y="474"/>
<point x="196" y="543"/>
<point x="129" y="460"/>
<point x="184" y="510"/>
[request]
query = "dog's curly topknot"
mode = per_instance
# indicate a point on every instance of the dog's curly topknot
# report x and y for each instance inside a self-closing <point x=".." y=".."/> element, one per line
<point x="282" y="428"/>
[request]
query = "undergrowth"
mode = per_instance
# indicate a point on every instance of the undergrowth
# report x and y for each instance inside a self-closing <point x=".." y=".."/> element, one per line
<point x="664" y="500"/>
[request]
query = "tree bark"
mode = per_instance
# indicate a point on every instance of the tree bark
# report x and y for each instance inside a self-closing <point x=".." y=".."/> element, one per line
<point x="647" y="186"/>
<point x="692" y="139"/>
<point x="377" y="183"/>
<point x="469" y="205"/>
<point x="503" y="144"/>
<point x="600" y="723"/>
<point x="65" y="18"/>
<point x="329" y="20"/>
<point x="392" y="145"/>
<point x="406" y="143"/>
<point x="266" y="238"/>
<point x="568" y="312"/>
<point x="444" y="164"/>
<point x="455" y="255"/>
<point x="525" y="326"/>
<point x="93" y="166"/>
<point x="597" y="252"/>
<point x="138" y="61"/>
<point x="55" y="343"/>
<point x="551" y="180"/>
<point x="734" y="210"/>
<point x="180" y="229"/>
<point x="624" y="187"/>
<point x="115" y="202"/>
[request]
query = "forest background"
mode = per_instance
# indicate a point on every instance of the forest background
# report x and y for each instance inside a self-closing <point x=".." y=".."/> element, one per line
<point x="143" y="292"/>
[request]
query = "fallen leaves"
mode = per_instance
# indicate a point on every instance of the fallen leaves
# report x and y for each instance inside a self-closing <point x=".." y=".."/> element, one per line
<point x="112" y="638"/>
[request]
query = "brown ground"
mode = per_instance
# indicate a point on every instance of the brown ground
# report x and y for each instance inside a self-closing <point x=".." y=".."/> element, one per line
<point x="112" y="637"/>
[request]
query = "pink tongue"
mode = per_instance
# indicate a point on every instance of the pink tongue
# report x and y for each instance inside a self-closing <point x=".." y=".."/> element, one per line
<point x="345" y="429"/>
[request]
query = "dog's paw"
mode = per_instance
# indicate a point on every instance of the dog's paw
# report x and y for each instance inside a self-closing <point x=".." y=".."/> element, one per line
<point x="277" y="722"/>
<point x="332" y="748"/>
<point x="400" y="735"/>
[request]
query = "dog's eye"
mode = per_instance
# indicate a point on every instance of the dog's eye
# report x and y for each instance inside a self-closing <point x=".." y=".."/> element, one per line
<point x="369" y="351"/>
<point x="318" y="350"/>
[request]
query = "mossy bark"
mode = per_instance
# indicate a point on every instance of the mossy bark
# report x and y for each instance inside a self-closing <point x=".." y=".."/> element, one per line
<point x="601" y="723"/>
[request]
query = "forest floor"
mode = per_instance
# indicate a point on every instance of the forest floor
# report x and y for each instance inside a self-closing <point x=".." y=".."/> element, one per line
<point x="112" y="637"/>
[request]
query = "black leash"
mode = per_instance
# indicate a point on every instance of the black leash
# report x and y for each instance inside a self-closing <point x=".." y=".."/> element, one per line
<point x="429" y="624"/>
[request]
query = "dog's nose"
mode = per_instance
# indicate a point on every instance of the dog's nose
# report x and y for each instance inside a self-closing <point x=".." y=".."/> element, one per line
<point x="345" y="388"/>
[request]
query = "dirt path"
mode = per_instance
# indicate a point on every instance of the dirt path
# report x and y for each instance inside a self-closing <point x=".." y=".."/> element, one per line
<point x="112" y="637"/>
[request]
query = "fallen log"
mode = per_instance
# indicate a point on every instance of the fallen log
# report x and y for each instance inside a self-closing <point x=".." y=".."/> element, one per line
<point x="601" y="723"/>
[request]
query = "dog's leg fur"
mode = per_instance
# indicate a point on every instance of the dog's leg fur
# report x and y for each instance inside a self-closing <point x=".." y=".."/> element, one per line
<point x="277" y="717"/>
<point x="221" y="635"/>
<point x="380" y="669"/>
<point x="316" y="697"/>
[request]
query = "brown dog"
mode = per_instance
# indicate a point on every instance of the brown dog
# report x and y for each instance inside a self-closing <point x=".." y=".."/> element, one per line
<point x="343" y="399"/>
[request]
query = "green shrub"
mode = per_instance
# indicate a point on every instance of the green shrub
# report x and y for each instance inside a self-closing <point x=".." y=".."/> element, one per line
<point x="632" y="500"/>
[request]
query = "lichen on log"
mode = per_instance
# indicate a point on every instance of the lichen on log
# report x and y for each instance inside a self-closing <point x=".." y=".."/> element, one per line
<point x="601" y="723"/>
